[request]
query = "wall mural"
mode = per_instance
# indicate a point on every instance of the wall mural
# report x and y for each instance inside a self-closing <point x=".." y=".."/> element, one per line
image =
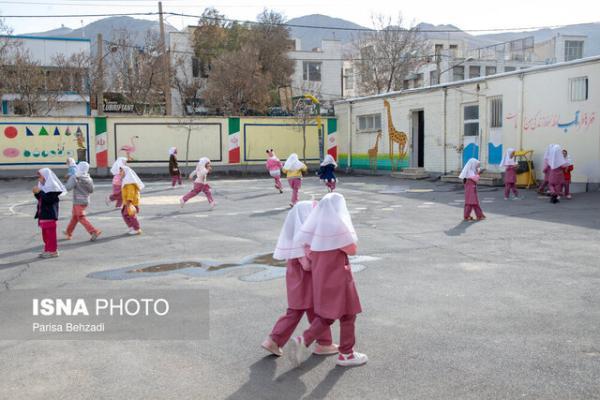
<point x="570" y="123"/>
<point x="43" y="143"/>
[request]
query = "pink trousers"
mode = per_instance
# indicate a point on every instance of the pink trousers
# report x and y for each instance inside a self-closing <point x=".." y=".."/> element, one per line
<point x="116" y="195"/>
<point x="476" y="208"/>
<point x="79" y="217"/>
<point x="175" y="179"/>
<point x="295" y="184"/>
<point x="320" y="325"/>
<point x="566" y="188"/>
<point x="278" y="184"/>
<point x="556" y="189"/>
<point x="287" y="323"/>
<point x="130" y="221"/>
<point x="49" y="235"/>
<point x="330" y="185"/>
<point x="508" y="187"/>
<point x="199" y="188"/>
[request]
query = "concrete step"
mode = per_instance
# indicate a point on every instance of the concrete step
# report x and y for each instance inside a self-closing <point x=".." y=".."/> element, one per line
<point x="411" y="173"/>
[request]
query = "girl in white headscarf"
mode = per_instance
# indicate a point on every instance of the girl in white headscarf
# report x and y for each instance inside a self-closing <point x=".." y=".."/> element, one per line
<point x="329" y="234"/>
<point x="545" y="170"/>
<point x="203" y="168"/>
<point x="470" y="177"/>
<point x="174" y="167"/>
<point x="567" y="172"/>
<point x="115" y="170"/>
<point x="82" y="186"/>
<point x="132" y="185"/>
<point x="326" y="174"/>
<point x="47" y="192"/>
<point x="274" y="165"/>
<point x="556" y="177"/>
<point x="298" y="282"/>
<point x="294" y="168"/>
<point x="510" y="174"/>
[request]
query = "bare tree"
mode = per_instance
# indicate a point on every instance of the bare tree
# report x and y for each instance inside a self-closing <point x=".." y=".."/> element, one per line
<point x="79" y="74"/>
<point x="387" y="55"/>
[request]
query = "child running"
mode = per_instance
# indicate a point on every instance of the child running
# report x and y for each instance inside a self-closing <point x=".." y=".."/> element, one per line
<point x="203" y="168"/>
<point x="132" y="185"/>
<point x="274" y="167"/>
<point x="331" y="237"/>
<point x="326" y="174"/>
<point x="115" y="170"/>
<point x="47" y="193"/>
<point x="470" y="177"/>
<point x="298" y="282"/>
<point x="510" y="174"/>
<point x="567" y="172"/>
<point x="293" y="168"/>
<point x="72" y="167"/>
<point x="82" y="185"/>
<point x="556" y="176"/>
<point x="174" y="167"/>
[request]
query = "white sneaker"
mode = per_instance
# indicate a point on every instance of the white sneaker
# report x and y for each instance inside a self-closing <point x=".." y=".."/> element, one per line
<point x="181" y="202"/>
<point x="297" y="352"/>
<point x="213" y="204"/>
<point x="134" y="232"/>
<point x="107" y="200"/>
<point x="352" y="360"/>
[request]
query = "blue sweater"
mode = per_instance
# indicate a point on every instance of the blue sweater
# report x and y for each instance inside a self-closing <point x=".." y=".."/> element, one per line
<point x="326" y="172"/>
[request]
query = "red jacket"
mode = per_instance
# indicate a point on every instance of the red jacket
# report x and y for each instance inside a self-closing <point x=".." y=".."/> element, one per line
<point x="567" y="172"/>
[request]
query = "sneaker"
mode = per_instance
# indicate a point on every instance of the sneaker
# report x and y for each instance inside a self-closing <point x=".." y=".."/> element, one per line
<point x="352" y="360"/>
<point x="280" y="191"/>
<point x="481" y="218"/>
<point x="517" y="198"/>
<point x="67" y="236"/>
<point x="181" y="202"/>
<point x="569" y="197"/>
<point x="107" y="200"/>
<point x="326" y="350"/>
<point x="506" y="198"/>
<point x="95" y="236"/>
<point x="48" y="254"/>
<point x="297" y="352"/>
<point x="271" y="347"/>
<point x="212" y="204"/>
<point x="134" y="232"/>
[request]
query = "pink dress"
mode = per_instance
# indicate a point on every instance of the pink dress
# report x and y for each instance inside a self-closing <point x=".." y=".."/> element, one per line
<point x="334" y="292"/>
<point x="471" y="198"/>
<point x="510" y="175"/>
<point x="273" y="164"/>
<point x="299" y="286"/>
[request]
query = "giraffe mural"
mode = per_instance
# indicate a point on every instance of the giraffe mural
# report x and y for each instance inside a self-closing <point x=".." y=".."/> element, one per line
<point x="372" y="152"/>
<point x="395" y="136"/>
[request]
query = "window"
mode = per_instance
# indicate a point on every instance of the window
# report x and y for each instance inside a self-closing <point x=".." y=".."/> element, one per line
<point x="349" y="78"/>
<point x="439" y="48"/>
<point x="405" y="84"/>
<point x="433" y="78"/>
<point x="474" y="71"/>
<point x="458" y="73"/>
<point x="195" y="67"/>
<point x="453" y="50"/>
<point x="311" y="71"/>
<point x="369" y="123"/>
<point x="490" y="70"/>
<point x="419" y="81"/>
<point x="578" y="88"/>
<point x="496" y="112"/>
<point x="471" y="120"/>
<point x="509" y="69"/>
<point x="573" y="49"/>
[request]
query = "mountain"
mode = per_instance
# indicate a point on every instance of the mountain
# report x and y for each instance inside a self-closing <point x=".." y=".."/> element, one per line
<point x="443" y="34"/>
<point x="62" y="31"/>
<point x="310" y="38"/>
<point x="592" y="30"/>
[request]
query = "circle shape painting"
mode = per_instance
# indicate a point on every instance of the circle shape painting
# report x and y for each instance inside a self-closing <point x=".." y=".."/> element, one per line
<point x="10" y="132"/>
<point x="11" y="152"/>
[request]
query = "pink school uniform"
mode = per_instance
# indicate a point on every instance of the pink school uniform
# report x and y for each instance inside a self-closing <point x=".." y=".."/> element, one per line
<point x="470" y="177"/>
<point x="115" y="170"/>
<point x="546" y="171"/>
<point x="510" y="174"/>
<point x="298" y="280"/>
<point x="274" y="166"/>
<point x="294" y="168"/>
<point x="329" y="233"/>
<point x="201" y="183"/>
<point x="556" y="177"/>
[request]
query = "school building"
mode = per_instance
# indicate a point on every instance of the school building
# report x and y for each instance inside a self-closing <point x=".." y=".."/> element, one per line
<point x="438" y="128"/>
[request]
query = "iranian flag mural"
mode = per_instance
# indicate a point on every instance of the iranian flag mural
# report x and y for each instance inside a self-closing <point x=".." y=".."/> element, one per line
<point x="101" y="142"/>
<point x="234" y="140"/>
<point x="332" y="137"/>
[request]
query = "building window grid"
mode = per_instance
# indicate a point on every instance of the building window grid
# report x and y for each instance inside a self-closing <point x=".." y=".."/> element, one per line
<point x="579" y="88"/>
<point x="369" y="123"/>
<point x="471" y="119"/>
<point x="573" y="50"/>
<point x="496" y="112"/>
<point x="311" y="71"/>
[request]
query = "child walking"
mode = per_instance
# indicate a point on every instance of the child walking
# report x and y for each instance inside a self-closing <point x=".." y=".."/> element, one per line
<point x="115" y="170"/>
<point x="274" y="167"/>
<point x="546" y="171"/>
<point x="174" y="167"/>
<point x="203" y="168"/>
<point x="567" y="172"/>
<point x="47" y="193"/>
<point x="331" y="237"/>
<point x="294" y="168"/>
<point x="326" y="174"/>
<point x="132" y="185"/>
<point x="82" y="185"/>
<point x="556" y="176"/>
<point x="298" y="282"/>
<point x="470" y="177"/>
<point x="510" y="174"/>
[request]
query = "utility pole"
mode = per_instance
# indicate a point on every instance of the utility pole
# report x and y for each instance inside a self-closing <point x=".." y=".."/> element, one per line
<point x="166" y="62"/>
<point x="100" y="76"/>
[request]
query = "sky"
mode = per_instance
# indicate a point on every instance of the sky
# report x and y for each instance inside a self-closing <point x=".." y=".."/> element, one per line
<point x="467" y="15"/>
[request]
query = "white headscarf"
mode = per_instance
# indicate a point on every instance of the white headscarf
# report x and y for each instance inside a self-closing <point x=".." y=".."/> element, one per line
<point x="51" y="182"/>
<point x="329" y="226"/>
<point x="328" y="160"/>
<point x="470" y="169"/>
<point x="116" y="167"/>
<point x="201" y="166"/>
<point x="71" y="162"/>
<point x="172" y="151"/>
<point x="556" y="158"/>
<point x="287" y="248"/>
<point x="508" y="160"/>
<point x="131" y="178"/>
<point x="293" y="163"/>
<point x="83" y="169"/>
